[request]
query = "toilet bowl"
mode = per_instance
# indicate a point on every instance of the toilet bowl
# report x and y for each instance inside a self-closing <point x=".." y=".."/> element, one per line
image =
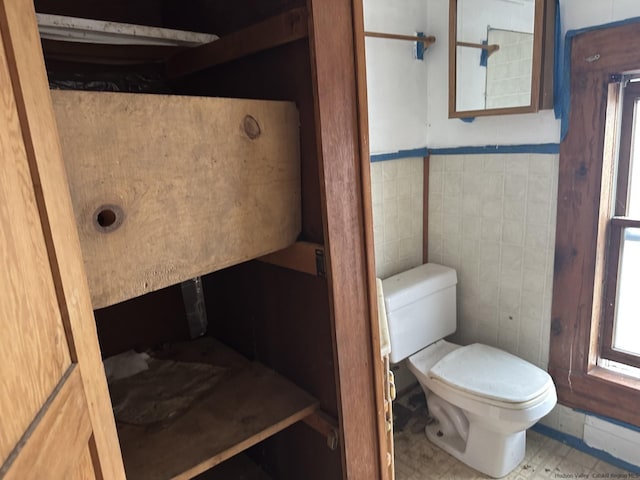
<point x="481" y="399"/>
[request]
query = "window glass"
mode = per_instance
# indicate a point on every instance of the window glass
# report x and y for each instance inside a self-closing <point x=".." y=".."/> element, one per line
<point x="626" y="335"/>
<point x="633" y="207"/>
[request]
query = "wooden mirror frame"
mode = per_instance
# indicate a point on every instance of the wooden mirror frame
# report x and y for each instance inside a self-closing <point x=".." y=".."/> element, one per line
<point x="542" y="71"/>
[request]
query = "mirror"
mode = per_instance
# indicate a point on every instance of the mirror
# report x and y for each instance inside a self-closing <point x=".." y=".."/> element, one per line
<point x="495" y="52"/>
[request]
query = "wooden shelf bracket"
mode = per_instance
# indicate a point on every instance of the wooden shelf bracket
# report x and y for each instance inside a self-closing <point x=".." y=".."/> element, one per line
<point x="325" y="425"/>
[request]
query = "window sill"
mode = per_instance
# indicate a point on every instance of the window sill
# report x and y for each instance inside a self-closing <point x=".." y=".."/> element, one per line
<point x="601" y="391"/>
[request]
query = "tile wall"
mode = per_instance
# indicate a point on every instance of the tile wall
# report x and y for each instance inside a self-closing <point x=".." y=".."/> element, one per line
<point x="396" y="190"/>
<point x="509" y="69"/>
<point x="492" y="218"/>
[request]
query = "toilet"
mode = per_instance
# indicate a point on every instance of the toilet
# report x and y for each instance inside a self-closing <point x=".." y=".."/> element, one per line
<point x="481" y="399"/>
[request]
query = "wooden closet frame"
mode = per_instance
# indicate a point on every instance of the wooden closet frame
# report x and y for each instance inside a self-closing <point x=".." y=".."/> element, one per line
<point x="336" y="42"/>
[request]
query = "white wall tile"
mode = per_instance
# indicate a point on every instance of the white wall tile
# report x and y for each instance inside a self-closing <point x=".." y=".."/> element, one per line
<point x="505" y="257"/>
<point x="397" y="199"/>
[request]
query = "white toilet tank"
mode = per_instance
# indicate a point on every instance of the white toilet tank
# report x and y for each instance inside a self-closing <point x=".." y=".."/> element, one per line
<point x="421" y="308"/>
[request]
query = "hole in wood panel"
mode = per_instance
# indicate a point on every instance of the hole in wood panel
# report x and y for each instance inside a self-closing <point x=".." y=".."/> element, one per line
<point x="107" y="218"/>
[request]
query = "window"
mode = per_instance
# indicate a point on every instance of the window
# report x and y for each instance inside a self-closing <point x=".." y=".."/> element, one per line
<point x="620" y="339"/>
<point x="597" y="275"/>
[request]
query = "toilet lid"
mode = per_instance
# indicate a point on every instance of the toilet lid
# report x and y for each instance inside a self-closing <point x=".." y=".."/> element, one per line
<point x="491" y="373"/>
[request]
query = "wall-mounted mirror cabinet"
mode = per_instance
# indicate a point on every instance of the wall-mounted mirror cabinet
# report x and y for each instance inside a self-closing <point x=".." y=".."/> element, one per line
<point x="496" y="58"/>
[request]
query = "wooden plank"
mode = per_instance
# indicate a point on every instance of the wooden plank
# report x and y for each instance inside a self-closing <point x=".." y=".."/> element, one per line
<point x="571" y="357"/>
<point x="426" y="41"/>
<point x="425" y="210"/>
<point x="84" y="468"/>
<point x="86" y="30"/>
<point x="350" y="278"/>
<point x="326" y="426"/>
<point x="166" y="188"/>
<point x="33" y="356"/>
<point x="625" y="222"/>
<point x="279" y="30"/>
<point x="238" y="467"/>
<point x="301" y="256"/>
<point x="107" y="54"/>
<point x="56" y="215"/>
<point x="63" y="421"/>
<point x="250" y="404"/>
<point x="548" y="55"/>
<point x="379" y="374"/>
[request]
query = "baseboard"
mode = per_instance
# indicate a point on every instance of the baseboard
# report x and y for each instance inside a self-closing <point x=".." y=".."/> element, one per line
<point x="579" y="444"/>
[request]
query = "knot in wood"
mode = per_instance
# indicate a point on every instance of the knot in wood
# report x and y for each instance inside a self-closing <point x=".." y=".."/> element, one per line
<point x="556" y="327"/>
<point x="251" y="127"/>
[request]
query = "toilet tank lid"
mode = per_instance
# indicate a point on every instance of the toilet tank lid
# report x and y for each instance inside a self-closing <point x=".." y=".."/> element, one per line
<point x="492" y="373"/>
<point x="409" y="286"/>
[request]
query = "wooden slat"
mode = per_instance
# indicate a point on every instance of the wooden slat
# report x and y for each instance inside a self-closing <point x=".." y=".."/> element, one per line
<point x="284" y="28"/>
<point x="548" y="55"/>
<point x="326" y="426"/>
<point x="63" y="423"/>
<point x="238" y="467"/>
<point x="394" y="36"/>
<point x="351" y="281"/>
<point x="386" y="471"/>
<point x="301" y="256"/>
<point x="625" y="222"/>
<point x="49" y="178"/>
<point x="108" y="54"/>
<point x="425" y="210"/>
<point x="250" y="404"/>
<point x="598" y="50"/>
<point x="33" y="351"/>
<point x="191" y="190"/>
<point x="84" y="468"/>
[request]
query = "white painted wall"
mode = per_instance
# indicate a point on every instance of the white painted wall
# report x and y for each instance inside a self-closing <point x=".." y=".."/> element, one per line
<point x="534" y="128"/>
<point x="396" y="80"/>
<point x="408" y="100"/>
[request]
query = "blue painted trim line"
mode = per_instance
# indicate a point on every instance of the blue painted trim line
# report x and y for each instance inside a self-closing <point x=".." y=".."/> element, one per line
<point x="416" y="152"/>
<point x="541" y="148"/>
<point x="578" y="444"/>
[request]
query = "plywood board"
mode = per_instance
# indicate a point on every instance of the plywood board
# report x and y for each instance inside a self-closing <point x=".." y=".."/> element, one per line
<point x="166" y="188"/>
<point x="250" y="404"/>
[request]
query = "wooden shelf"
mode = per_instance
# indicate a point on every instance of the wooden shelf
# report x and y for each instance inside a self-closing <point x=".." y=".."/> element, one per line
<point x="238" y="467"/>
<point x="249" y="405"/>
<point x="174" y="196"/>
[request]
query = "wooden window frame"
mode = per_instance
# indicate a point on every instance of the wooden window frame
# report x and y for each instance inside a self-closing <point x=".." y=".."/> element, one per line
<point x="617" y="225"/>
<point x="585" y="178"/>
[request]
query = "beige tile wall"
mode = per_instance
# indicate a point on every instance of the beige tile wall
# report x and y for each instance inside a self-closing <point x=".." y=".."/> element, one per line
<point x="396" y="190"/>
<point x="492" y="218"/>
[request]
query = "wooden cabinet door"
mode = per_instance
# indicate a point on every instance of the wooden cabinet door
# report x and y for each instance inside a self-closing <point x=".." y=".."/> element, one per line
<point x="55" y="415"/>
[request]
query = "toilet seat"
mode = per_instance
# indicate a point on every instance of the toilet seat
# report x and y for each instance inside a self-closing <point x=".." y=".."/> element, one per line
<point x="491" y="373"/>
<point x="482" y="374"/>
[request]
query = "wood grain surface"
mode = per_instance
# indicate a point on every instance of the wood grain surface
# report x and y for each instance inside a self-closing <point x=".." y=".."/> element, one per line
<point x="250" y="404"/>
<point x="196" y="185"/>
<point x="64" y="422"/>
<point x="31" y="358"/>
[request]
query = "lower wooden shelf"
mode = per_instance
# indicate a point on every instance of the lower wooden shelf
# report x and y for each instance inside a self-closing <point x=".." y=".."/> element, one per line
<point x="249" y="405"/>
<point x="239" y="467"/>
